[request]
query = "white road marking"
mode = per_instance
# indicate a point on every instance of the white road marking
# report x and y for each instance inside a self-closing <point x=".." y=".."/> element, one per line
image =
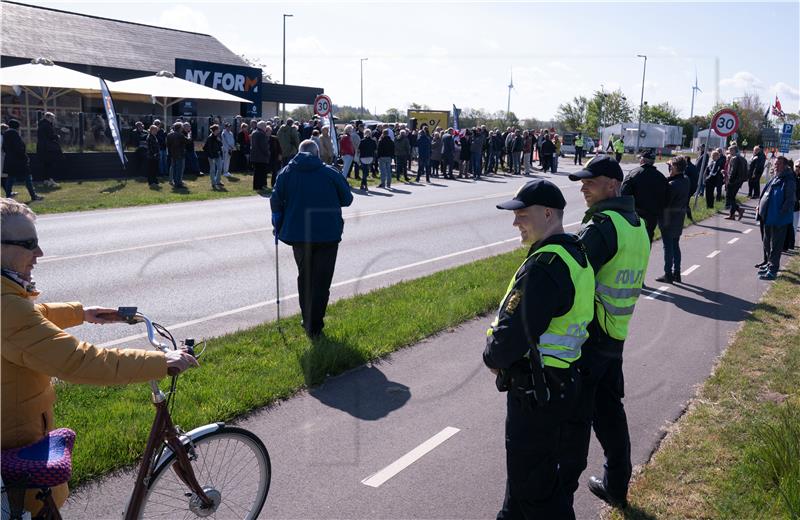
<point x="377" y="479"/>
<point x="660" y="290"/>
<point x="295" y="295"/>
<point x="714" y="253"/>
<point x="58" y="258"/>
<point x="746" y="231"/>
<point x="690" y="270"/>
<point x="733" y="240"/>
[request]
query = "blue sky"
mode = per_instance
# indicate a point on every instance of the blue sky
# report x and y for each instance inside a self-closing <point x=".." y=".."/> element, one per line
<point x="441" y="53"/>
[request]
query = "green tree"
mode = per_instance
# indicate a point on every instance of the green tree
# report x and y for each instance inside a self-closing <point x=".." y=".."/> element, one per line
<point x="392" y="115"/>
<point x="606" y="109"/>
<point x="572" y="115"/>
<point x="662" y="114"/>
<point x="254" y="62"/>
<point x="750" y="110"/>
<point x="304" y="113"/>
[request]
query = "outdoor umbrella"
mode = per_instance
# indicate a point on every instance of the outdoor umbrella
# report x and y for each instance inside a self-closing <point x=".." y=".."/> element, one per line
<point x="166" y="90"/>
<point x="46" y="81"/>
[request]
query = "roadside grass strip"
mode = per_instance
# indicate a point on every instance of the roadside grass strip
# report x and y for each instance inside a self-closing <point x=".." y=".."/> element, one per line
<point x="256" y="367"/>
<point x="735" y="453"/>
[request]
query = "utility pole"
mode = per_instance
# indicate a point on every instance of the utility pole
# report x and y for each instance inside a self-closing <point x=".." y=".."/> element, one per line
<point x="285" y="16"/>
<point x="361" y="112"/>
<point x="641" y="102"/>
<point x="510" y="86"/>
<point x="695" y="89"/>
<point x="600" y="115"/>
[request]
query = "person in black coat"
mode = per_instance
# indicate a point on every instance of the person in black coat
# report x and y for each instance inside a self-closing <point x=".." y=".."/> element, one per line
<point x="755" y="171"/>
<point x="153" y="152"/>
<point x="648" y="187"/>
<point x="671" y="220"/>
<point x="48" y="149"/>
<point x="694" y="177"/>
<point x="712" y="177"/>
<point x="16" y="163"/>
<point x="448" y="150"/>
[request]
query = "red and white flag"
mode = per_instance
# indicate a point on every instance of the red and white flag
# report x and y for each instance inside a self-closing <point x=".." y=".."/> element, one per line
<point x="777" y="110"/>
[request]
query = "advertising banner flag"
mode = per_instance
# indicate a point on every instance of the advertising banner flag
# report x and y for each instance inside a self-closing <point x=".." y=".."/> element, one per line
<point x="113" y="123"/>
<point x="456" y="113"/>
<point x="334" y="137"/>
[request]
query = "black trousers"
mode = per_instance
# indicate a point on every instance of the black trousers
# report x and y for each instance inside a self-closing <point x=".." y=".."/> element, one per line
<point x="578" y="154"/>
<point x="774" y="240"/>
<point x="259" y="175"/>
<point x="533" y="489"/>
<point x="712" y="185"/>
<point x="600" y="408"/>
<point x="730" y="197"/>
<point x="153" y="167"/>
<point x="754" y="186"/>
<point x="618" y="157"/>
<point x="650" y="224"/>
<point x="447" y="166"/>
<point x="315" y="264"/>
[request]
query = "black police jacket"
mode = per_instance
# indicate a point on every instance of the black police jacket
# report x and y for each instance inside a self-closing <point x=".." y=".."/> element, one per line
<point x="542" y="290"/>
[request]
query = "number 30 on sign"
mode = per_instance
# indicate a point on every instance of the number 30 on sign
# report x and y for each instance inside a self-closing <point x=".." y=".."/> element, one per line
<point x="725" y="122"/>
<point x="322" y="105"/>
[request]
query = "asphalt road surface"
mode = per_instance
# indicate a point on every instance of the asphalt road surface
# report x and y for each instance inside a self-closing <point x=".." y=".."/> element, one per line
<point x="420" y="434"/>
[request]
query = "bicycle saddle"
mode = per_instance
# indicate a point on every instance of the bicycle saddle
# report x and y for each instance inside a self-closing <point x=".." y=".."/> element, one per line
<point x="45" y="463"/>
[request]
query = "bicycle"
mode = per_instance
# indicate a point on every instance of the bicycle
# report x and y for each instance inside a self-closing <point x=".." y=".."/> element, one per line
<point x="200" y="472"/>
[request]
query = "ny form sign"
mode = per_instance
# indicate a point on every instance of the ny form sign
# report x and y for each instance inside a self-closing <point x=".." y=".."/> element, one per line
<point x="244" y="82"/>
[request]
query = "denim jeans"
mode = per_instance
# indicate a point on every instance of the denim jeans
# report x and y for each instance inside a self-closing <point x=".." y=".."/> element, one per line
<point x="515" y="157"/>
<point x="424" y="166"/>
<point x="163" y="162"/>
<point x="672" y="255"/>
<point x="8" y="185"/>
<point x="385" y="167"/>
<point x="176" y="170"/>
<point x="476" y="164"/>
<point x="554" y="163"/>
<point x="364" y="174"/>
<point x="215" y="170"/>
<point x="226" y="161"/>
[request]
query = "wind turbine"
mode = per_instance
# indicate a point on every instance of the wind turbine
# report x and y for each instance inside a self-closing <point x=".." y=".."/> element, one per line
<point x="695" y="89"/>
<point x="510" y="86"/>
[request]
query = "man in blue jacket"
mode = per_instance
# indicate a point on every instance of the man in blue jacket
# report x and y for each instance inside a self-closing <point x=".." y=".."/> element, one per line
<point x="774" y="213"/>
<point x="306" y="207"/>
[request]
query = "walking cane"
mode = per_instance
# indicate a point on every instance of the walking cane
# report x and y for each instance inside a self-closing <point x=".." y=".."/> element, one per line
<point x="277" y="282"/>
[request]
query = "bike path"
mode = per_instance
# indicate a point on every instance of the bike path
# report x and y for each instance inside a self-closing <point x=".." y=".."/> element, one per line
<point x="325" y="443"/>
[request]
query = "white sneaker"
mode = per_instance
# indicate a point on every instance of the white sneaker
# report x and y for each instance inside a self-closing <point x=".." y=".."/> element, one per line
<point x="227" y="174"/>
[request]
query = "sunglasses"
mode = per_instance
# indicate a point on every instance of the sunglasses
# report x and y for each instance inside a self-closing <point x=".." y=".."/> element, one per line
<point x="30" y="244"/>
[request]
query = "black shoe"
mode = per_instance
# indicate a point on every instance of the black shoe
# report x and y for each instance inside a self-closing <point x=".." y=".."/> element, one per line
<point x="760" y="265"/>
<point x="598" y="489"/>
<point x="37" y="197"/>
<point x="676" y="277"/>
<point x="666" y="278"/>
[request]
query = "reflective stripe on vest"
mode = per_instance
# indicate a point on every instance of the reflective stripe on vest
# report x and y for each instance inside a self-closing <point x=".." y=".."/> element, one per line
<point x="619" y="281"/>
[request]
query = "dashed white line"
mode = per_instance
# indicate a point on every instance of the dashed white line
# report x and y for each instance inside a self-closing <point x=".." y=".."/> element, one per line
<point x="377" y="479"/>
<point x="690" y="270"/>
<point x="714" y="253"/>
<point x="660" y="290"/>
<point x="733" y="240"/>
<point x="746" y="231"/>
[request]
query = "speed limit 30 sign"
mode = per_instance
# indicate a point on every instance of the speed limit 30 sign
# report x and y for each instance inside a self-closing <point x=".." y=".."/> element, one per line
<point x="322" y="105"/>
<point x="725" y="122"/>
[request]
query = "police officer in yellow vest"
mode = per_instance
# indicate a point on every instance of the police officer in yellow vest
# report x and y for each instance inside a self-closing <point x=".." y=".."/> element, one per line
<point x="618" y="249"/>
<point x="533" y="346"/>
<point x="619" y="149"/>
<point x="578" y="149"/>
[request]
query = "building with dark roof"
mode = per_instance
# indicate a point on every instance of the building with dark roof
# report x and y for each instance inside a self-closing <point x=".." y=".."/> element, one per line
<point x="117" y="50"/>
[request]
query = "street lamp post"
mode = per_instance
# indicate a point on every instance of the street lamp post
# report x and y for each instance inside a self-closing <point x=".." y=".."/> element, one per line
<point x="361" y="112"/>
<point x="641" y="102"/>
<point x="600" y="114"/>
<point x="285" y="16"/>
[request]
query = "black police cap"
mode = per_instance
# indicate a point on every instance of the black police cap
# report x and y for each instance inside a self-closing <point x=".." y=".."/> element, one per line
<point x="537" y="192"/>
<point x="602" y="166"/>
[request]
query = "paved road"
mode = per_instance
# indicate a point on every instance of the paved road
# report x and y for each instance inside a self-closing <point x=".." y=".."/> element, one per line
<point x="325" y="443"/>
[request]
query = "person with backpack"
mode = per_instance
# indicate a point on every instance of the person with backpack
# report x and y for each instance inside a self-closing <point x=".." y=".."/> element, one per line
<point x="774" y="212"/>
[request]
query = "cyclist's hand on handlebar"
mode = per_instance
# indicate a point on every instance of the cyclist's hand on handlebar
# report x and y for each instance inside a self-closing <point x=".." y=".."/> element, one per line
<point x="179" y="361"/>
<point x="101" y="315"/>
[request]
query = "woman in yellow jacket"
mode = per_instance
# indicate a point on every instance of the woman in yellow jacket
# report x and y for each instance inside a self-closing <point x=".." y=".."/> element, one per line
<point x="35" y="348"/>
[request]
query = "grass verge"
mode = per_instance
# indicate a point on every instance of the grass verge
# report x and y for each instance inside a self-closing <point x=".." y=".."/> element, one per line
<point x="735" y="454"/>
<point x="253" y="368"/>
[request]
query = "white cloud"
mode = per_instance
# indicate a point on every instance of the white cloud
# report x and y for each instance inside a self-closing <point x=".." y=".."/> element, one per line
<point x="742" y="80"/>
<point x="786" y="91"/>
<point x="560" y="65"/>
<point x="184" y="18"/>
<point x="668" y="50"/>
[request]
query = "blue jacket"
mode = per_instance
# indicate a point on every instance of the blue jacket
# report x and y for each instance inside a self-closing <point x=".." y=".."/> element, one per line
<point x="774" y="210"/>
<point x="307" y="201"/>
<point x="448" y="145"/>
<point x="424" y="145"/>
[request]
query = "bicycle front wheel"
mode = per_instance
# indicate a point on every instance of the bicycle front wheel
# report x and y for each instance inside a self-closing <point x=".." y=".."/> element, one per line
<point x="233" y="468"/>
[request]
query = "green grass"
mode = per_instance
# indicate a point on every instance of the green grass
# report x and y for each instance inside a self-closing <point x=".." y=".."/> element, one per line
<point x="735" y="454"/>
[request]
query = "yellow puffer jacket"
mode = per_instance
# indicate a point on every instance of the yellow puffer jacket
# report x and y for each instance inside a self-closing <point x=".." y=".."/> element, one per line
<point x="35" y="349"/>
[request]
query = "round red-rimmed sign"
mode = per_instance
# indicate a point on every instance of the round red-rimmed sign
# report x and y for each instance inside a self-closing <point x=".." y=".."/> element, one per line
<point x="322" y="105"/>
<point x="725" y="122"/>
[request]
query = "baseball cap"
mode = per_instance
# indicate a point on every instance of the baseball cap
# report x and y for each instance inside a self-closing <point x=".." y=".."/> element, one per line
<point x="536" y="192"/>
<point x="603" y="166"/>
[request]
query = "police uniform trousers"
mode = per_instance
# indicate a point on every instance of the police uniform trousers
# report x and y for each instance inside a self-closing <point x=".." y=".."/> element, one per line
<point x="533" y="490"/>
<point x="600" y="408"/>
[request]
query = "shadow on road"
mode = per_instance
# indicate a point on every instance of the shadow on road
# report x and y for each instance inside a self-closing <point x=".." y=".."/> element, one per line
<point x="364" y="393"/>
<point x="717" y="305"/>
<point x="634" y="513"/>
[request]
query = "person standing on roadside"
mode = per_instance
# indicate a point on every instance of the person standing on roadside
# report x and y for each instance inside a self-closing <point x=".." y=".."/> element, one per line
<point x="547" y="151"/>
<point x="671" y="221"/>
<point x="228" y="145"/>
<point x="260" y="156"/>
<point x="648" y="187"/>
<point x="347" y="150"/>
<point x="774" y="212"/>
<point x="448" y="153"/>
<point x="163" y="158"/>
<point x="367" y="149"/>
<point x="306" y="206"/>
<point x="16" y="163"/>
<point x="326" y="146"/>
<point x="755" y="171"/>
<point x="436" y="153"/>
<point x="619" y="148"/>
<point x="791" y="236"/>
<point x="713" y="178"/>
<point x="289" y="138"/>
<point x="385" y="155"/>
<point x="402" y="155"/>
<point x="533" y="347"/>
<point x="213" y="149"/>
<point x="617" y="245"/>
<point x="737" y="175"/>
<point x="424" y="154"/>
<point x="153" y="156"/>
<point x="176" y="144"/>
<point x="694" y="178"/>
<point x="48" y="148"/>
<point x="579" y="149"/>
<point x="476" y="152"/>
<point x="243" y="142"/>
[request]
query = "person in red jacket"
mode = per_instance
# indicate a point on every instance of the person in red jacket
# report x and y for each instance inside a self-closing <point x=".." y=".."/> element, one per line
<point x="347" y="150"/>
